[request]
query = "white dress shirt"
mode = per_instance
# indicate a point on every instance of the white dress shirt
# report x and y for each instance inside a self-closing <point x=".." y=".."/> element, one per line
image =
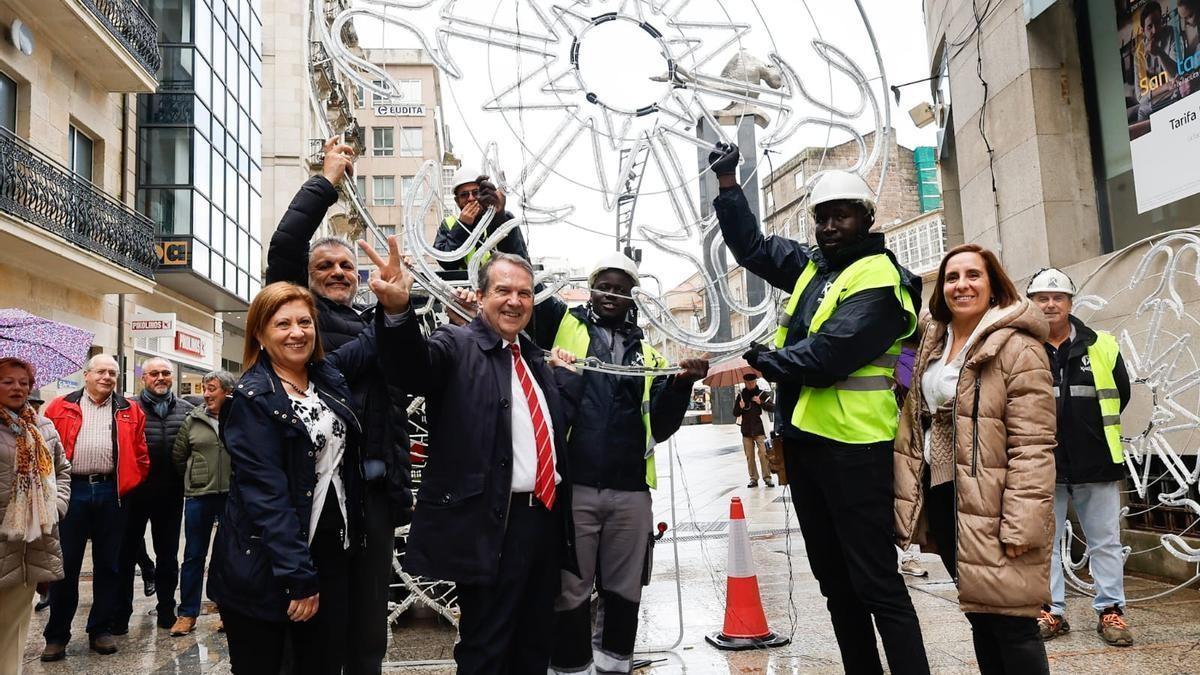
<point x="524" y="444"/>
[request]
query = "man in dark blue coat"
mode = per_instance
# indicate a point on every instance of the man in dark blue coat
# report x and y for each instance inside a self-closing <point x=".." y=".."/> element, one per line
<point x="493" y="510"/>
<point x="329" y="268"/>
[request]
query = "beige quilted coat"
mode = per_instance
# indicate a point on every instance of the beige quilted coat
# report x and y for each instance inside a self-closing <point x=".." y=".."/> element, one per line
<point x="32" y="563"/>
<point x="1004" y="463"/>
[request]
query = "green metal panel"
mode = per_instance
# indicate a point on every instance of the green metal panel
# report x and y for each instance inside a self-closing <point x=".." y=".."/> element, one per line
<point x="929" y="187"/>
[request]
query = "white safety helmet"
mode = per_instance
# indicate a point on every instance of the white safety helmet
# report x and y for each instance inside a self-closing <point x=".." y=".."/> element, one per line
<point x="1050" y="280"/>
<point x="834" y="185"/>
<point x="465" y="174"/>
<point x="614" y="261"/>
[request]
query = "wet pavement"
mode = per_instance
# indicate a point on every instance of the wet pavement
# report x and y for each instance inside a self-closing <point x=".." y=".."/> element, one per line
<point x="709" y="469"/>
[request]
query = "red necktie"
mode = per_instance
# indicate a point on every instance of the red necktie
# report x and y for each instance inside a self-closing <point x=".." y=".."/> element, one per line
<point x="543" y="484"/>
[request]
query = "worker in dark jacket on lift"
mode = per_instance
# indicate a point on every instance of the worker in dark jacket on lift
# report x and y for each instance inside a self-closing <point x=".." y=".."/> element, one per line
<point x="329" y="268"/>
<point x="474" y="193"/>
<point x="1091" y="387"/>
<point x="834" y="363"/>
<point x="611" y="446"/>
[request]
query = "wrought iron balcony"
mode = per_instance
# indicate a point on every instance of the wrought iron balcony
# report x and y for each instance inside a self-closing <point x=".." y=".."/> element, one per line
<point x="40" y="191"/>
<point x="129" y="23"/>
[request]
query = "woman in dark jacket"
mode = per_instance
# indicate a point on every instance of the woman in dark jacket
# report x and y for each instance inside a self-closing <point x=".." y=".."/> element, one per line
<point x="294" y="506"/>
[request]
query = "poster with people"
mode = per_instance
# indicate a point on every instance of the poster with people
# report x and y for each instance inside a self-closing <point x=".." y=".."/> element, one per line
<point x="1160" y="63"/>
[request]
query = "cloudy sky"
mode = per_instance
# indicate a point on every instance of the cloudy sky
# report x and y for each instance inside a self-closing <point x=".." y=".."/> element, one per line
<point x="616" y="61"/>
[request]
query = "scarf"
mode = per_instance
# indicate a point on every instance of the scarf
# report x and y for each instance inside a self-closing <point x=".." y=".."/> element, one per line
<point x="32" y="508"/>
<point x="161" y="404"/>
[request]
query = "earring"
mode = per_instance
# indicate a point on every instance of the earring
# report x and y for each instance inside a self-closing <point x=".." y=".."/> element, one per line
<point x="992" y="301"/>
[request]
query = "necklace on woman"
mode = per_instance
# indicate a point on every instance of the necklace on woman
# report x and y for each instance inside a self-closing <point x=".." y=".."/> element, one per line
<point x="303" y="391"/>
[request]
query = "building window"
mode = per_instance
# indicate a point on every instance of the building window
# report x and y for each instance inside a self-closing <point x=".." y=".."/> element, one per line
<point x="798" y="177"/>
<point x="410" y="91"/>
<point x="920" y="245"/>
<point x="411" y="141"/>
<point x="8" y="103"/>
<point x="80" y="153"/>
<point x="384" y="190"/>
<point x="383" y="141"/>
<point x="376" y="97"/>
<point x="360" y="96"/>
<point x="360" y="185"/>
<point x="406" y="183"/>
<point x="770" y="201"/>
<point x="448" y="183"/>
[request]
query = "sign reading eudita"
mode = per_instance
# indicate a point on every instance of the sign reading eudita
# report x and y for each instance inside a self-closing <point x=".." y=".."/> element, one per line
<point x="400" y="110"/>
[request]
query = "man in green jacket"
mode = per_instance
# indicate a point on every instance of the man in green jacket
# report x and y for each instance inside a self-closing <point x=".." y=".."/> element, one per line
<point x="204" y="464"/>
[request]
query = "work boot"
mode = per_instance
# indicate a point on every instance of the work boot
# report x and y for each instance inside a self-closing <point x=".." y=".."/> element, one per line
<point x="912" y="568"/>
<point x="1113" y="629"/>
<point x="54" y="651"/>
<point x="102" y="643"/>
<point x="752" y="483"/>
<point x="1051" y="626"/>
<point x="183" y="626"/>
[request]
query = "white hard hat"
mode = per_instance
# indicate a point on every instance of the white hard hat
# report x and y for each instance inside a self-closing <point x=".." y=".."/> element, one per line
<point x="1050" y="280"/>
<point x="834" y="185"/>
<point x="614" y="261"/>
<point x="465" y="174"/>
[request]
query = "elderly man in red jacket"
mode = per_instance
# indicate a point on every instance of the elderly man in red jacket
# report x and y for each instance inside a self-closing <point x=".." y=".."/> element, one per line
<point x="104" y="436"/>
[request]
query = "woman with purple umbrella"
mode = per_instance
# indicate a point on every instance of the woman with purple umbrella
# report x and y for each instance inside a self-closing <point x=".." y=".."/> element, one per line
<point x="35" y="489"/>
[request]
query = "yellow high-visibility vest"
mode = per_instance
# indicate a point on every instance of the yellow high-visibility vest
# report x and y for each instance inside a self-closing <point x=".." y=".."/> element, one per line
<point x="861" y="408"/>
<point x="573" y="337"/>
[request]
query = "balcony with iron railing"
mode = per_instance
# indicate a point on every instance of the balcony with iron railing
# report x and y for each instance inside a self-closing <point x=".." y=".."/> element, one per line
<point x="114" y="43"/>
<point x="37" y="190"/>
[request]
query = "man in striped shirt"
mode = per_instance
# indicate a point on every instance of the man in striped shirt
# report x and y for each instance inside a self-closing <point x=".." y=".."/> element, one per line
<point x="105" y="439"/>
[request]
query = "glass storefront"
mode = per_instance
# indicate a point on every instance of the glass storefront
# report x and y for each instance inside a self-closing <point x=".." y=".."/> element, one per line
<point x="1113" y="108"/>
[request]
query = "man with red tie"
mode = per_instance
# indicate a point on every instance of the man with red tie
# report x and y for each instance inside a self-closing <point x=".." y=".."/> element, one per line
<point x="493" y="511"/>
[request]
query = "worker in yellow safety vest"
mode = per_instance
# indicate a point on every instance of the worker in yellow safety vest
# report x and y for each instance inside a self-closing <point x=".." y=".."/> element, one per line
<point x="474" y="193"/>
<point x="833" y="365"/>
<point x="1091" y="388"/>
<point x="611" y="448"/>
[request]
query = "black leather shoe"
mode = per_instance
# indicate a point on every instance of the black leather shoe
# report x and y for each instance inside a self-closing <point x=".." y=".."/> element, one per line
<point x="103" y="643"/>
<point x="54" y="652"/>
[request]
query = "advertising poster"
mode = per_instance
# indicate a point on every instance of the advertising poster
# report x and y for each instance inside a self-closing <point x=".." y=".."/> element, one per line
<point x="1160" y="62"/>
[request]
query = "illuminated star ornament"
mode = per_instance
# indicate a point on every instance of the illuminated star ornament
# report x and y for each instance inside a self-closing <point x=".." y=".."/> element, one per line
<point x="550" y="61"/>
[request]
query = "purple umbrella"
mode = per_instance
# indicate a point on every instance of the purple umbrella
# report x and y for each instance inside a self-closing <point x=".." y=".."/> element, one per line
<point x="55" y="349"/>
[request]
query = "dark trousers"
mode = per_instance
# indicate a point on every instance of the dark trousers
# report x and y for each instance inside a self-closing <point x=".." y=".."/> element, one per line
<point x="1003" y="644"/>
<point x="370" y="582"/>
<point x="508" y="626"/>
<point x="162" y="507"/>
<point x="317" y="646"/>
<point x="844" y="503"/>
<point x="199" y="516"/>
<point x="95" y="514"/>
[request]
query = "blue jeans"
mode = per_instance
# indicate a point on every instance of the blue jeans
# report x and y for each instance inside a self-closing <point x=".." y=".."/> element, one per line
<point x="199" y="516"/>
<point x="96" y="514"/>
<point x="1099" y="508"/>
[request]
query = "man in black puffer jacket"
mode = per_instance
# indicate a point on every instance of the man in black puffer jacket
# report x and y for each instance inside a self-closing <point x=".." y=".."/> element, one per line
<point x="328" y="267"/>
<point x="157" y="501"/>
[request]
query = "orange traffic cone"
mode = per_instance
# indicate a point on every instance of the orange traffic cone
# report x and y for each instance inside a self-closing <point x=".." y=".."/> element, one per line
<point x="745" y="622"/>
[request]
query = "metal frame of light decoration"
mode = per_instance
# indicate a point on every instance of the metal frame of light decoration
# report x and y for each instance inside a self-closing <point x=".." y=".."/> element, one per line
<point x="1158" y="344"/>
<point x="644" y="134"/>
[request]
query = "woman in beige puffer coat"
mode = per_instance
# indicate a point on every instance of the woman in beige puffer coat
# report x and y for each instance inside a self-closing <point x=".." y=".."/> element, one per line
<point x="28" y="555"/>
<point x="974" y="462"/>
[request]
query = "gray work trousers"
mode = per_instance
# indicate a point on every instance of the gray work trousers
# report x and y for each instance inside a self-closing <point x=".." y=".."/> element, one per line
<point x="612" y="537"/>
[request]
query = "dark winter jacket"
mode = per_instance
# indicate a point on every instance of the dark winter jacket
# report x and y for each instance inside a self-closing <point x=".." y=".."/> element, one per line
<point x="864" y="325"/>
<point x="751" y="412"/>
<point x="1082" y="455"/>
<point x="200" y="457"/>
<point x="160" y="440"/>
<point x="450" y="238"/>
<point x="462" y="508"/>
<point x="261" y="559"/>
<point x="608" y="439"/>
<point x="383" y="409"/>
